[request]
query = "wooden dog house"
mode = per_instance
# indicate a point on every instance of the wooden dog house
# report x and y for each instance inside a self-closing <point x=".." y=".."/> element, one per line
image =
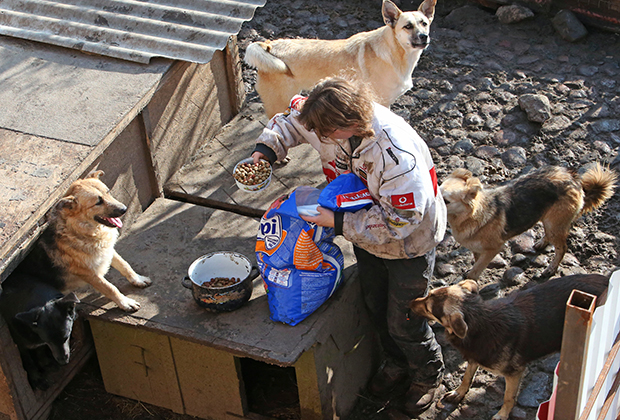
<point x="67" y="113"/>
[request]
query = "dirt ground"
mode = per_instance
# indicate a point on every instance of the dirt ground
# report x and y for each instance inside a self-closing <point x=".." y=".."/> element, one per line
<point x="465" y="104"/>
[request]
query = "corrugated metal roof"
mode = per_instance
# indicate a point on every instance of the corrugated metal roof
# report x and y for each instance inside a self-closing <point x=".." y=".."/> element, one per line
<point x="190" y="30"/>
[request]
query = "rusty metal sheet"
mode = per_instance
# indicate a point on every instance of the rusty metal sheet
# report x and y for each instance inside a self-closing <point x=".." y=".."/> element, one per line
<point x="190" y="30"/>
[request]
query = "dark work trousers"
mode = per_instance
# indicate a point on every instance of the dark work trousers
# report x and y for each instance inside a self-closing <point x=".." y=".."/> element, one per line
<point x="388" y="286"/>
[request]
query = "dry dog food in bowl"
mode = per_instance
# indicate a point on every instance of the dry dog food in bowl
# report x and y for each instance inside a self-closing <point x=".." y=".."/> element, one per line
<point x="221" y="282"/>
<point x="251" y="176"/>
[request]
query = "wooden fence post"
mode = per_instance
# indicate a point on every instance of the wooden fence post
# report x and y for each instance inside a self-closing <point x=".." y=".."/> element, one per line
<point x="577" y="326"/>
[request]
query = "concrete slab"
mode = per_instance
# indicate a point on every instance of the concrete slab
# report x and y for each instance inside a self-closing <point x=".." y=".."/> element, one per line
<point x="63" y="94"/>
<point x="162" y="244"/>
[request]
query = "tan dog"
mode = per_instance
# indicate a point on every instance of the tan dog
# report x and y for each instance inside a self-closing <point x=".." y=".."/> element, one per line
<point x="504" y="335"/>
<point x="384" y="57"/>
<point x="79" y="242"/>
<point x="482" y="220"/>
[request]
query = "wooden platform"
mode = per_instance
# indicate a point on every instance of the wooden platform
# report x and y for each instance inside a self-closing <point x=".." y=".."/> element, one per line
<point x="332" y="351"/>
<point x="151" y="355"/>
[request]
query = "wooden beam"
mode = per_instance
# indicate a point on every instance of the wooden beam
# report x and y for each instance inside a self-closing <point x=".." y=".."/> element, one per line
<point x="174" y="194"/>
<point x="234" y="74"/>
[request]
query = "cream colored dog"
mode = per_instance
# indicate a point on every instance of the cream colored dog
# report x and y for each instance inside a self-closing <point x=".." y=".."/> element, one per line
<point x="384" y="57"/>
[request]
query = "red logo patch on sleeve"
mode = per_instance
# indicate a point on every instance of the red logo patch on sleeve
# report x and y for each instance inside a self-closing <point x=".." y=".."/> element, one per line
<point x="403" y="201"/>
<point x="434" y="179"/>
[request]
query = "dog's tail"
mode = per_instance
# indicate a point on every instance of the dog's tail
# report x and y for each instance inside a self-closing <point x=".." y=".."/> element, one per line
<point x="598" y="185"/>
<point x="258" y="55"/>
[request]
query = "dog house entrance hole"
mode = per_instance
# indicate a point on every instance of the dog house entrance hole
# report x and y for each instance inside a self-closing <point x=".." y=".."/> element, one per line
<point x="271" y="390"/>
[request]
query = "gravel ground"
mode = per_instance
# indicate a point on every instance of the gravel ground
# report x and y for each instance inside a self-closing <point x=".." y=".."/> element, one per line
<point x="465" y="104"/>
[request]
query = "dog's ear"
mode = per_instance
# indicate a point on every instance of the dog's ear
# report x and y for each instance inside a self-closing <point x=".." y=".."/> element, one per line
<point x="469" y="285"/>
<point x="457" y="324"/>
<point x="391" y="13"/>
<point x="428" y="9"/>
<point x="95" y="174"/>
<point x="462" y="173"/>
<point x="473" y="188"/>
<point x="417" y="305"/>
<point x="70" y="298"/>
<point x="30" y="317"/>
<point x="67" y="203"/>
<point x="67" y="303"/>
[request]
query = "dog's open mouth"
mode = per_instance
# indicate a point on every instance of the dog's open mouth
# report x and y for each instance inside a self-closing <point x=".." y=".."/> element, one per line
<point x="109" y="221"/>
<point x="420" y="45"/>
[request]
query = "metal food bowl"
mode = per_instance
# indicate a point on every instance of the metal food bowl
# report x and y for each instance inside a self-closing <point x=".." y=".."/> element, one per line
<point x="222" y="264"/>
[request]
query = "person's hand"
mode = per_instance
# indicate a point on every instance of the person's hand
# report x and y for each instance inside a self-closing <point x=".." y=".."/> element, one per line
<point x="258" y="156"/>
<point x="325" y="218"/>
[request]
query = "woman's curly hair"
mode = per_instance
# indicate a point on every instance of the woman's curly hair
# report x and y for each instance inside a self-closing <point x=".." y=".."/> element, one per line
<point x="338" y="103"/>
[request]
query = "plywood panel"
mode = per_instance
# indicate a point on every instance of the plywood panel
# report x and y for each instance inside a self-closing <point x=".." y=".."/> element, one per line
<point x="308" y="386"/>
<point x="209" y="379"/>
<point x="137" y="364"/>
<point x="187" y="110"/>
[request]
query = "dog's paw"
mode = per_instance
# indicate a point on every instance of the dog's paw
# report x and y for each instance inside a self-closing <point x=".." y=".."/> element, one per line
<point x="128" y="304"/>
<point x="499" y="416"/>
<point x="141" y="281"/>
<point x="453" y="397"/>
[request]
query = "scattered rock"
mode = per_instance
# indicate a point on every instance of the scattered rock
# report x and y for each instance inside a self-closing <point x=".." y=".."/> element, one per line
<point x="513" y="14"/>
<point x="541" y="261"/>
<point x="603" y="237"/>
<point x="514" y="157"/>
<point x="42" y="173"/>
<point x="473" y="120"/>
<point x="605" y="126"/>
<point x="475" y="165"/>
<point x="464" y="147"/>
<point x="498" y="262"/>
<point x="537" y="107"/>
<point x="518" y="413"/>
<point x="475" y="396"/>
<point x="536" y="392"/>
<point x="568" y="26"/>
<point x="557" y="123"/>
<point x="587" y="70"/>
<point x="437" y="142"/>
<point x="512" y="277"/>
<point x="569" y="271"/>
<point x="443" y="269"/>
<point x="486" y="152"/>
<point x="570" y="259"/>
<point x="523" y="244"/>
<point x="519" y="260"/>
<point x="551" y="362"/>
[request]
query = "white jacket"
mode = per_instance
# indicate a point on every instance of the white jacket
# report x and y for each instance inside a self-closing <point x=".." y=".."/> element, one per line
<point x="408" y="218"/>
